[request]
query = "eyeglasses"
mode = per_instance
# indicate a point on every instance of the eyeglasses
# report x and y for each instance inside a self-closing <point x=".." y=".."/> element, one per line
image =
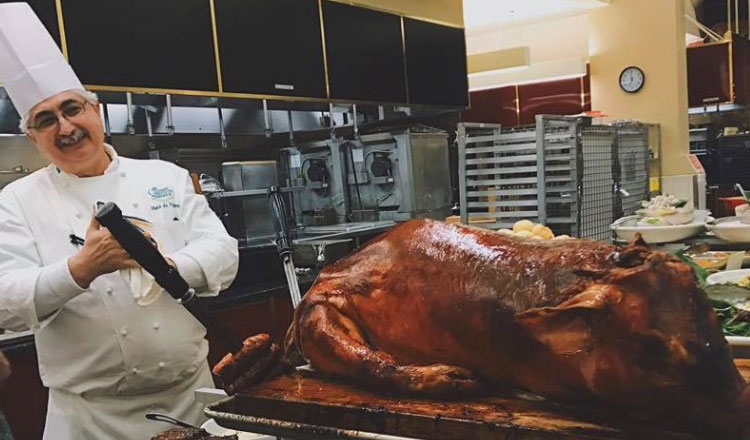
<point x="47" y="119"/>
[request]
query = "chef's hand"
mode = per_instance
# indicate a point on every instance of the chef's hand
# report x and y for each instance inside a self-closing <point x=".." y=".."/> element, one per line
<point x="100" y="254"/>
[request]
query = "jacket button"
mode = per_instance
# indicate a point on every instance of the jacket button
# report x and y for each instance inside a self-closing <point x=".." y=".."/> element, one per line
<point x="110" y="291"/>
<point x="162" y="365"/>
<point x="124" y="332"/>
<point x="135" y="204"/>
<point x="123" y="174"/>
<point x="134" y="370"/>
<point x="156" y="326"/>
<point x="79" y="215"/>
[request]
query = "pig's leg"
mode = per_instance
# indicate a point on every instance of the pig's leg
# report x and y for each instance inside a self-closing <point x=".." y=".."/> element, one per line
<point x="334" y="344"/>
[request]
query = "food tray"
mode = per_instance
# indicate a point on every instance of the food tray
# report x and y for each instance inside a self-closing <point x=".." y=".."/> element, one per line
<point x="627" y="227"/>
<point x="306" y="406"/>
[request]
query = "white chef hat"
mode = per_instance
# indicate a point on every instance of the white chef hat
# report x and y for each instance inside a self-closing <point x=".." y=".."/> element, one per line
<point x="32" y="68"/>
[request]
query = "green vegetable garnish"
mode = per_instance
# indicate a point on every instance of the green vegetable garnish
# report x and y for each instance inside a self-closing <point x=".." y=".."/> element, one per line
<point x="734" y="322"/>
<point x="701" y="274"/>
<point x="725" y="300"/>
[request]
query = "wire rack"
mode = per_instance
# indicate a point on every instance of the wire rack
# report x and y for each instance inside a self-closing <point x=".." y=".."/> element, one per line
<point x="633" y="156"/>
<point x="497" y="175"/>
<point x="575" y="177"/>
<point x="598" y="204"/>
<point x="558" y="140"/>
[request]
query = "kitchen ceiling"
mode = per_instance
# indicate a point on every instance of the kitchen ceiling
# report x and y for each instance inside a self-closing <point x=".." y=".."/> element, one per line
<point x="479" y="15"/>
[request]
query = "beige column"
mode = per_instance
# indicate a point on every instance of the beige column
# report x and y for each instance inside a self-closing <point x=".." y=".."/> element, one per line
<point x="649" y="34"/>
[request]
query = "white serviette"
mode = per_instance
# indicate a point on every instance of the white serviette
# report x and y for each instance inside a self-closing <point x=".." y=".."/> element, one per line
<point x="144" y="288"/>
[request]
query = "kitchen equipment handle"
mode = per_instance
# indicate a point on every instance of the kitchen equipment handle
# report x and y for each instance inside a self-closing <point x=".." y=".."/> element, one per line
<point x="143" y="251"/>
<point x="167" y="419"/>
<point x="278" y="215"/>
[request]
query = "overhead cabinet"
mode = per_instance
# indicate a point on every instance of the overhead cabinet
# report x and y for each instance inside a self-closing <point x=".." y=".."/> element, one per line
<point x="47" y="13"/>
<point x="719" y="73"/>
<point x="365" y="54"/>
<point x="142" y="43"/>
<point x="436" y="64"/>
<point x="305" y="49"/>
<point x="271" y="47"/>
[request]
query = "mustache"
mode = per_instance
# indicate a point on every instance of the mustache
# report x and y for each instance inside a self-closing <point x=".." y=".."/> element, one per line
<point x="71" y="139"/>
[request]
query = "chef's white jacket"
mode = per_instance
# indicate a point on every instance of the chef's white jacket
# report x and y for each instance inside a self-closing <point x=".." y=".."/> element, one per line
<point x="107" y="360"/>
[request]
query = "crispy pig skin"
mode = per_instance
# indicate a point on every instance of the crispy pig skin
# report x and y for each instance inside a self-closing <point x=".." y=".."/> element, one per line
<point x="437" y="309"/>
<point x="231" y="366"/>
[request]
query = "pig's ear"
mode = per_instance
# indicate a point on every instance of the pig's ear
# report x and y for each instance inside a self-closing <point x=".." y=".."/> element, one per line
<point x="638" y="242"/>
<point x="632" y="255"/>
<point x="567" y="328"/>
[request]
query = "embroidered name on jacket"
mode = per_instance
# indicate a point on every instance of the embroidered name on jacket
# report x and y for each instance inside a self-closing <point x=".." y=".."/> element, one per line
<point x="163" y="197"/>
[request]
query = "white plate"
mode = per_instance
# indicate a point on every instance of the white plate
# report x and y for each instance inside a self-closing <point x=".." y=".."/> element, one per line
<point x="727" y="276"/>
<point x="627" y="227"/>
<point x="732" y="229"/>
<point x="738" y="341"/>
<point x="213" y="428"/>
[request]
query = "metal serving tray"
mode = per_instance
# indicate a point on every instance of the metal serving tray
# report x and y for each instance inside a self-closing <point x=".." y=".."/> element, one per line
<point x="309" y="407"/>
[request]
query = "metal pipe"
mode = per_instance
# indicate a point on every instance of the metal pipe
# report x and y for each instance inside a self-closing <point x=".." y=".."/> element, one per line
<point x="149" y="129"/>
<point x="153" y="153"/>
<point x="737" y="15"/>
<point x="131" y="124"/>
<point x="222" y="133"/>
<point x="267" y="124"/>
<point x="331" y="121"/>
<point x="291" y="127"/>
<point x="107" y="126"/>
<point x="356" y="121"/>
<point x="711" y="34"/>
<point x="170" y="122"/>
<point x="729" y="15"/>
<point x="748" y="18"/>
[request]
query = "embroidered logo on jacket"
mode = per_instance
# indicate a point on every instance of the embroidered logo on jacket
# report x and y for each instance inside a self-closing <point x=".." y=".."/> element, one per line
<point x="162" y="194"/>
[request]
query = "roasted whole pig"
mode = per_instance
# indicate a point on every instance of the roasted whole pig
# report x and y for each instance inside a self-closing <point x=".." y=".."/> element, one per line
<point x="442" y="309"/>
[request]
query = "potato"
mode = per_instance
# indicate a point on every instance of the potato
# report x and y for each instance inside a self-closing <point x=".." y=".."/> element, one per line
<point x="543" y="231"/>
<point x="548" y="234"/>
<point x="523" y="225"/>
<point x="505" y="232"/>
<point x="524" y="234"/>
<point x="537" y="237"/>
<point x="562" y="237"/>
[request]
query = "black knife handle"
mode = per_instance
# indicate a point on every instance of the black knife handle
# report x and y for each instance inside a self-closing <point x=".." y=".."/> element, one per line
<point x="278" y="216"/>
<point x="143" y="251"/>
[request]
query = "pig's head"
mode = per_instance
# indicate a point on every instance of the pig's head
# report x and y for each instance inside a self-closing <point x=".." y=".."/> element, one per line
<point x="643" y="335"/>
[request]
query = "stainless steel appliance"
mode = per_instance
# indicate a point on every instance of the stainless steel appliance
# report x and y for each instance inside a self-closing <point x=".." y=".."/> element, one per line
<point x="248" y="218"/>
<point x="18" y="158"/>
<point x="389" y="176"/>
<point x="398" y="175"/>
<point x="318" y="167"/>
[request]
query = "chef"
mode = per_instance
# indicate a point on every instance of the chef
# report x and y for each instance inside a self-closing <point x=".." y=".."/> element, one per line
<point x="106" y="358"/>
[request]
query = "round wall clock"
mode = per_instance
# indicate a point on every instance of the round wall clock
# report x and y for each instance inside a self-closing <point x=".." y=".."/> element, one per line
<point x="632" y="79"/>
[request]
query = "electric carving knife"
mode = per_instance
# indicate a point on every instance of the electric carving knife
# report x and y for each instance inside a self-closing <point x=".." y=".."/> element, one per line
<point x="143" y="251"/>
